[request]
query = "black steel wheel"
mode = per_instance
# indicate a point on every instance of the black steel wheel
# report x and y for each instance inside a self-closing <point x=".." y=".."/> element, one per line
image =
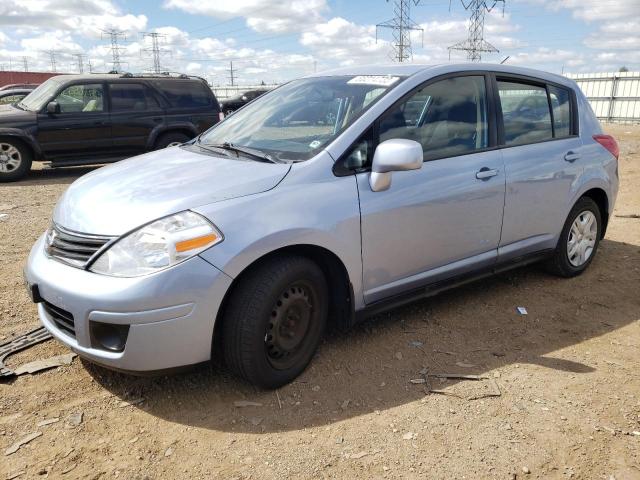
<point x="274" y="320"/>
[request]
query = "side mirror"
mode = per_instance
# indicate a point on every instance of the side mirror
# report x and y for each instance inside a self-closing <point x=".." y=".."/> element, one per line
<point x="395" y="155"/>
<point x="53" y="107"/>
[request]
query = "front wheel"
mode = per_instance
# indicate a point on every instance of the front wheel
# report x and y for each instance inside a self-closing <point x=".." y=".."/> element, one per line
<point x="15" y="160"/>
<point x="274" y="321"/>
<point x="579" y="239"/>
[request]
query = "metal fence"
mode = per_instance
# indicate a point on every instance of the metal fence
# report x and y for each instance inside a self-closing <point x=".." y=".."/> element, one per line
<point x="226" y="91"/>
<point x="614" y="97"/>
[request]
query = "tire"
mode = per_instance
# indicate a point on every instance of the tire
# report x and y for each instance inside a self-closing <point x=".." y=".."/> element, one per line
<point x="567" y="261"/>
<point x="170" y="139"/>
<point x="15" y="159"/>
<point x="274" y="321"/>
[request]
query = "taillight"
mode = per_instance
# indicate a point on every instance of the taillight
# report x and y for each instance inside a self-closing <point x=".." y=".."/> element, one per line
<point x="220" y="116"/>
<point x="608" y="142"/>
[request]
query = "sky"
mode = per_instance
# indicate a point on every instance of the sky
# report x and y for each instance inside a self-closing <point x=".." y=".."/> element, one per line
<point x="275" y="40"/>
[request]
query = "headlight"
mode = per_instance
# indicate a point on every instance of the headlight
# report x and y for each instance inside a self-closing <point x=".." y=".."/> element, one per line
<point x="158" y="245"/>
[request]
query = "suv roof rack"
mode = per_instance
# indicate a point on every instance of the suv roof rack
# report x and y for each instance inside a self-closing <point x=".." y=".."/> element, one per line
<point x="160" y="75"/>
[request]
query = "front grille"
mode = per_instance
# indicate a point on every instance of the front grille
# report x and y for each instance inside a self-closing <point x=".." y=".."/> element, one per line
<point x="73" y="248"/>
<point x="62" y="318"/>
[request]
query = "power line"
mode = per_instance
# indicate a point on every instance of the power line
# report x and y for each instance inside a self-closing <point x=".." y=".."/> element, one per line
<point x="155" y="50"/>
<point x="80" y="61"/>
<point x="401" y="26"/>
<point x="475" y="44"/>
<point x="114" y="35"/>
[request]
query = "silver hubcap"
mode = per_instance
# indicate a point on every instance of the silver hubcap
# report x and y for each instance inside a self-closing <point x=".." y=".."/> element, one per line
<point x="10" y="158"/>
<point x="582" y="238"/>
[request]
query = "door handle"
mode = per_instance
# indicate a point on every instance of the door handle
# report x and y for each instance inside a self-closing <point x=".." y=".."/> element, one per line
<point x="571" y="156"/>
<point x="486" y="173"/>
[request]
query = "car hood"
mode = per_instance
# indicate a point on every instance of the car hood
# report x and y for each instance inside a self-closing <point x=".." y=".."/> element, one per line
<point x="10" y="115"/>
<point x="120" y="197"/>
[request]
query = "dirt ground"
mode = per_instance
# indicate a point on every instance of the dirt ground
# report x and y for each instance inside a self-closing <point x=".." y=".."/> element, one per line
<point x="565" y="380"/>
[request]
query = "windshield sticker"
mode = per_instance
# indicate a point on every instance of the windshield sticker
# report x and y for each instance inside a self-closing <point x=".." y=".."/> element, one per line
<point x="379" y="80"/>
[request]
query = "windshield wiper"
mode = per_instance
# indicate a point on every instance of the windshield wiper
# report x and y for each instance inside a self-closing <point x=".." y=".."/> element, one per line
<point x="257" y="154"/>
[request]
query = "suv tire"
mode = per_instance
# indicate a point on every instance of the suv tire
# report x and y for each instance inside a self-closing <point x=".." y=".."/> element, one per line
<point x="15" y="159"/>
<point x="578" y="241"/>
<point x="274" y="321"/>
<point x="170" y="139"/>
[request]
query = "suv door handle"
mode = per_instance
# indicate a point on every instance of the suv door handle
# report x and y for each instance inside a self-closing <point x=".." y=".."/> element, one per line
<point x="571" y="156"/>
<point x="486" y="173"/>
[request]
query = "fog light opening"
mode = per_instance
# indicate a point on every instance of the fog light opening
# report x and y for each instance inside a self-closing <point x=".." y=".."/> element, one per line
<point x="108" y="336"/>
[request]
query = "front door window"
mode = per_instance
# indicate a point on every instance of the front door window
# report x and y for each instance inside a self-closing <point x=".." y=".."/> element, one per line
<point x="81" y="98"/>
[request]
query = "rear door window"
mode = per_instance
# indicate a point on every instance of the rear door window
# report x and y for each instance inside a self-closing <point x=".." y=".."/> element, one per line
<point x="126" y="97"/>
<point x="185" y="93"/>
<point x="525" y="113"/>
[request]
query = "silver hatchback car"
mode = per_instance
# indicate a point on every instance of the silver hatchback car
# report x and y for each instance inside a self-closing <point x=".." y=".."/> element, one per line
<point x="330" y="198"/>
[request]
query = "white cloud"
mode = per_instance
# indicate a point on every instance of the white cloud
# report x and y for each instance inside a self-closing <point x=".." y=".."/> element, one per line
<point x="83" y="17"/>
<point x="261" y="15"/>
<point x="345" y="42"/>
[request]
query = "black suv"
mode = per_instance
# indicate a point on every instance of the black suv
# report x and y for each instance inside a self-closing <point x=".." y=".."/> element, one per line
<point x="234" y="103"/>
<point x="88" y="119"/>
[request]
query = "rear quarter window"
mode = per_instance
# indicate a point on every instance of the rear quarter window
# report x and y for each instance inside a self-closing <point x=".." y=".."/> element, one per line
<point x="186" y="93"/>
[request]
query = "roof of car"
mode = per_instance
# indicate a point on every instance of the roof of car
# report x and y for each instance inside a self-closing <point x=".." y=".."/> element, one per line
<point x="117" y="76"/>
<point x="15" y="91"/>
<point x="408" y="69"/>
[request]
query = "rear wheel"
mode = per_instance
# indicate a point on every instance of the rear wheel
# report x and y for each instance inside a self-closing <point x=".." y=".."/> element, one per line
<point x="15" y="159"/>
<point x="274" y="321"/>
<point x="171" y="139"/>
<point x="579" y="239"/>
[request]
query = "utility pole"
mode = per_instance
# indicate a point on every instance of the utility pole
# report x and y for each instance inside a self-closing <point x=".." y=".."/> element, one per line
<point x="52" y="58"/>
<point x="90" y="66"/>
<point x="80" y="59"/>
<point x="155" y="50"/>
<point x="475" y="44"/>
<point x="401" y="26"/>
<point x="232" y="73"/>
<point x="25" y="64"/>
<point x="114" y="35"/>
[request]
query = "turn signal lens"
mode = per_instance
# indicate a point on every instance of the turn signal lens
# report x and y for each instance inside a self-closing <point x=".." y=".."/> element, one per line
<point x="198" y="242"/>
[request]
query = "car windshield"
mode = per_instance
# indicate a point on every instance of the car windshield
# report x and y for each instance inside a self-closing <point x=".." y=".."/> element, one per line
<point x="295" y="121"/>
<point x="37" y="98"/>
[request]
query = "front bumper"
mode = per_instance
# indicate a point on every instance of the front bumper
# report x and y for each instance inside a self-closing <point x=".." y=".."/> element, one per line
<point x="171" y="313"/>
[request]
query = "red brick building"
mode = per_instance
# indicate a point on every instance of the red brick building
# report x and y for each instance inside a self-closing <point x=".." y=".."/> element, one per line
<point x="8" y="77"/>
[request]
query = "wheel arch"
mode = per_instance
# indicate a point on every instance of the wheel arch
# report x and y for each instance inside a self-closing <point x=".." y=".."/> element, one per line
<point x="26" y="140"/>
<point x="186" y="129"/>
<point x="341" y="305"/>
<point x="601" y="198"/>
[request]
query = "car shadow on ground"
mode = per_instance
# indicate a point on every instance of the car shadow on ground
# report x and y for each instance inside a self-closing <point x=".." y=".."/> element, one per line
<point x="470" y="330"/>
<point x="52" y="176"/>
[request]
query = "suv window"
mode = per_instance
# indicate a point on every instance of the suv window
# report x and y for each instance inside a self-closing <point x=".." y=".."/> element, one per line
<point x="131" y="96"/>
<point x="447" y="118"/>
<point x="525" y="112"/>
<point x="185" y="93"/>
<point x="81" y="98"/>
<point x="561" y="107"/>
